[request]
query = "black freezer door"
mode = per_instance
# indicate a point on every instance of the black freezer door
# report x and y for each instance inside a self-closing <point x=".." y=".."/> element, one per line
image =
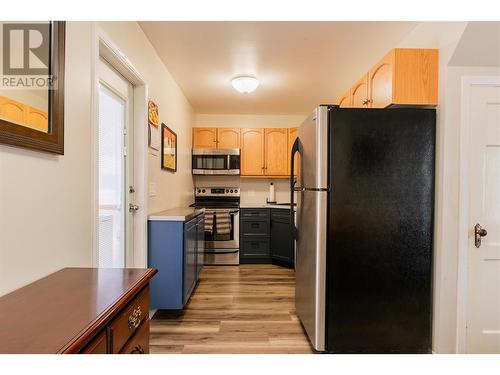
<point x="380" y="230"/>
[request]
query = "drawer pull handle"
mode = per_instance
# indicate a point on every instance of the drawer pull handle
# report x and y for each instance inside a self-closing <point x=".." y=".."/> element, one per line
<point x="135" y="318"/>
<point x="137" y="350"/>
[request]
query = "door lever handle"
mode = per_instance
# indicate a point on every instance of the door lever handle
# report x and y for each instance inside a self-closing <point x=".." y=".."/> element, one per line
<point x="478" y="234"/>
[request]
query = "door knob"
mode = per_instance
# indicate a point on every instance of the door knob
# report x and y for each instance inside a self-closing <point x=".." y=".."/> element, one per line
<point x="133" y="207"/>
<point x="478" y="234"/>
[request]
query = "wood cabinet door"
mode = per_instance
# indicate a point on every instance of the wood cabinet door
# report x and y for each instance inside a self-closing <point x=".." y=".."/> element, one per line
<point x="37" y="119"/>
<point x="292" y="136"/>
<point x="252" y="152"/>
<point x="345" y="100"/>
<point x="276" y="152"/>
<point x="380" y="82"/>
<point x="204" y="138"/>
<point x="12" y="110"/>
<point x="228" y="138"/>
<point x="359" y="93"/>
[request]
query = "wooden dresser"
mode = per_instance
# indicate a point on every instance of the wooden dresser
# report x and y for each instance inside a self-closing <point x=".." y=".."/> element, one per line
<point x="79" y="310"/>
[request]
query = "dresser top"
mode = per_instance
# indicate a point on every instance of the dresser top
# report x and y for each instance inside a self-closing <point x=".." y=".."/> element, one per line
<point x="60" y="312"/>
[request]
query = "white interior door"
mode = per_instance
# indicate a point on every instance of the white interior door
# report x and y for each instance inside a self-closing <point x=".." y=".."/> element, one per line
<point x="115" y="164"/>
<point x="483" y="289"/>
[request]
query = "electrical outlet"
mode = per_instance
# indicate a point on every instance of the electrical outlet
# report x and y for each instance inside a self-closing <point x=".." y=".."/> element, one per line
<point x="152" y="189"/>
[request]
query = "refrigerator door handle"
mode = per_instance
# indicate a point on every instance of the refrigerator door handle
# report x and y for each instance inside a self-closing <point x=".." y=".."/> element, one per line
<point x="293" y="189"/>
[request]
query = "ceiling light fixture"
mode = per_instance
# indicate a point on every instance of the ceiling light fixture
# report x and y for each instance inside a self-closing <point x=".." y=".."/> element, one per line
<point x="245" y="84"/>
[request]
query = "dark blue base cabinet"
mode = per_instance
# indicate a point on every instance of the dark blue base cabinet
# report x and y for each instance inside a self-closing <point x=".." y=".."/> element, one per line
<point x="265" y="237"/>
<point x="176" y="249"/>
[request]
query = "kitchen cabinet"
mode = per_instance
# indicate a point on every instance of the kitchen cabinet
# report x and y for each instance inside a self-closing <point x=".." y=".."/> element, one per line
<point x="252" y="152"/>
<point x="359" y="93"/>
<point x="190" y="258"/>
<point x="200" y="250"/>
<point x="276" y="152"/>
<point x="175" y="248"/>
<point x="24" y="114"/>
<point x="228" y="138"/>
<point x="345" y="100"/>
<point x="282" y="249"/>
<point x="404" y="76"/>
<point x="204" y="138"/>
<point x="255" y="231"/>
<point x="265" y="236"/>
<point x="216" y="138"/>
<point x="264" y="153"/>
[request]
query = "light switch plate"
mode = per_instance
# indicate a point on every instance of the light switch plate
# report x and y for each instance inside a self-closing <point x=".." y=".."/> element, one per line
<point x="152" y="189"/>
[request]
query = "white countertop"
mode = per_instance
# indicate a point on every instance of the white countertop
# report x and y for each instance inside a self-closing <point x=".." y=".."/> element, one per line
<point x="265" y="205"/>
<point x="176" y="214"/>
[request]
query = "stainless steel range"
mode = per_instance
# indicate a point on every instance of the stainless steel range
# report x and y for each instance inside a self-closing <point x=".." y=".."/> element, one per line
<point x="222" y="212"/>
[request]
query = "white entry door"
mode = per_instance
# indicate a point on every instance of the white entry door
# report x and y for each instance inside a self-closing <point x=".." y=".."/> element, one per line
<point x="483" y="289"/>
<point x="115" y="168"/>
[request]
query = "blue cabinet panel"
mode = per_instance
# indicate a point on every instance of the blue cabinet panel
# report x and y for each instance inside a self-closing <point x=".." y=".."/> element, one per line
<point x="190" y="257"/>
<point x="165" y="253"/>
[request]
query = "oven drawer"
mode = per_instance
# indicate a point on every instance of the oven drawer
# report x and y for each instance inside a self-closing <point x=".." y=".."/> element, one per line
<point x="255" y="248"/>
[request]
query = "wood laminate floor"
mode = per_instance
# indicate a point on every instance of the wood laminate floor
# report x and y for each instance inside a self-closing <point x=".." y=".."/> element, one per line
<point x="234" y="309"/>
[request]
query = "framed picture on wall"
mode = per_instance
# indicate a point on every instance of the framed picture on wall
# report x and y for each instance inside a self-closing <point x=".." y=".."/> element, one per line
<point x="168" y="149"/>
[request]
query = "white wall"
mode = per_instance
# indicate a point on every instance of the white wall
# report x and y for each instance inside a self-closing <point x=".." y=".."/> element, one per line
<point x="45" y="200"/>
<point x="45" y="216"/>
<point x="253" y="191"/>
<point x="173" y="189"/>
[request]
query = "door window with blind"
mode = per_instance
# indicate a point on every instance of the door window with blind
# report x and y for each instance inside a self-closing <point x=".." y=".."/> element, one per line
<point x="111" y="179"/>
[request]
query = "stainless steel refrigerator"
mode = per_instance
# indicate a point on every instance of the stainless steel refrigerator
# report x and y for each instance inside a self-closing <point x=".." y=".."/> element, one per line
<point x="364" y="228"/>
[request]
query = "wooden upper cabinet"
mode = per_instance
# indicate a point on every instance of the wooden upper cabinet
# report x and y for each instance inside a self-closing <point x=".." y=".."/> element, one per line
<point x="276" y="152"/>
<point x="37" y="119"/>
<point x="405" y="76"/>
<point x="292" y="136"/>
<point x="204" y="138"/>
<point x="12" y="110"/>
<point x="228" y="138"/>
<point x="380" y="82"/>
<point x="252" y="152"/>
<point x="359" y="93"/>
<point x="415" y="76"/>
<point x="345" y="100"/>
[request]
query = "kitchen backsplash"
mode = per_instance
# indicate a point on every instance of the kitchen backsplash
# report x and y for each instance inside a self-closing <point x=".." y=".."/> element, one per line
<point x="253" y="191"/>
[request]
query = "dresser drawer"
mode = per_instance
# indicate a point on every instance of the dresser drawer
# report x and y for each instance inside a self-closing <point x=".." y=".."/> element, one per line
<point x="129" y="320"/>
<point x="139" y="342"/>
<point x="98" y="345"/>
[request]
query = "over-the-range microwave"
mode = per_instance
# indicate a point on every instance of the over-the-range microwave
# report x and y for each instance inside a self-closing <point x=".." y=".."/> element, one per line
<point x="216" y="161"/>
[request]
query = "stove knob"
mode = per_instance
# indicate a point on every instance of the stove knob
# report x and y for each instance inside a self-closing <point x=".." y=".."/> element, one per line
<point x="231" y="190"/>
<point x="235" y="190"/>
<point x="198" y="191"/>
<point x="203" y="191"/>
<point x="227" y="190"/>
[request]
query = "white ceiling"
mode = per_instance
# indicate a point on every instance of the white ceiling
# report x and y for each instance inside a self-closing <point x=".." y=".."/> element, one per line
<point x="300" y="64"/>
